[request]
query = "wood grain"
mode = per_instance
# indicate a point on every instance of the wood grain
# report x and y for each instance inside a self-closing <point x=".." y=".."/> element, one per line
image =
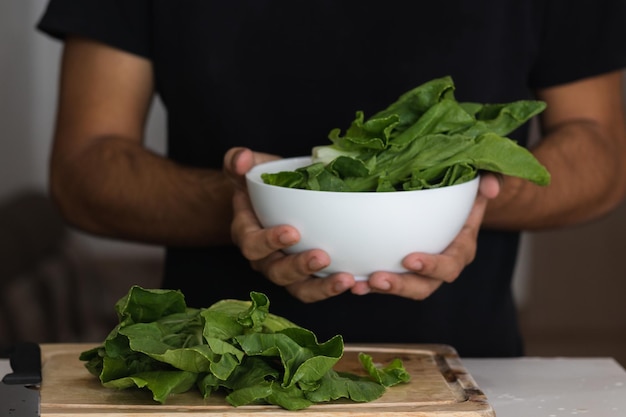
<point x="440" y="386"/>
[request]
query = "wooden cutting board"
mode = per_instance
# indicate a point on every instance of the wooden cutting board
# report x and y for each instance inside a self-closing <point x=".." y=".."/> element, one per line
<point x="440" y="386"/>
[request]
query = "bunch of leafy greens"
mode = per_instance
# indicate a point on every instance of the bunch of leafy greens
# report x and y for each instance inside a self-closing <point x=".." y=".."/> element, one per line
<point x="426" y="139"/>
<point x="233" y="346"/>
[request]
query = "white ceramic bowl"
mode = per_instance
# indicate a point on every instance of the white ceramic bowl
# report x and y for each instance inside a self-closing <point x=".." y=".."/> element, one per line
<point x="363" y="232"/>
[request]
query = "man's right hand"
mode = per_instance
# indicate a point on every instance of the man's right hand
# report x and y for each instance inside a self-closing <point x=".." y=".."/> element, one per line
<point x="264" y="247"/>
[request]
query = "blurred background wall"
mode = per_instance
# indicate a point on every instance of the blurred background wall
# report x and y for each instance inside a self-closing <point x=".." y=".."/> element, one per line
<point x="44" y="270"/>
<point x="571" y="284"/>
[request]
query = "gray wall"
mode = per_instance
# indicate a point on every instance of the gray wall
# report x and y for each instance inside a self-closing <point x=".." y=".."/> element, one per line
<point x="27" y="85"/>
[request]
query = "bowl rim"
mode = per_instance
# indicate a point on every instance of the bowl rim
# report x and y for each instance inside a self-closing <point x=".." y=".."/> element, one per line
<point x="254" y="175"/>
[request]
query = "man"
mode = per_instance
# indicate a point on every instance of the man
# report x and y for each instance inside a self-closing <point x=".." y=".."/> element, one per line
<point x="274" y="77"/>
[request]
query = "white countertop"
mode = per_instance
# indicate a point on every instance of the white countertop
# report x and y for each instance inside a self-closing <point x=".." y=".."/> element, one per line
<point x="551" y="387"/>
<point x="542" y="387"/>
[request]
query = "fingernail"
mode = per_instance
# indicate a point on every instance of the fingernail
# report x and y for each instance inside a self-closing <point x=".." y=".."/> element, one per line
<point x="286" y="238"/>
<point x="315" y="264"/>
<point x="339" y="287"/>
<point x="417" y="265"/>
<point x="384" y="285"/>
<point x="361" y="290"/>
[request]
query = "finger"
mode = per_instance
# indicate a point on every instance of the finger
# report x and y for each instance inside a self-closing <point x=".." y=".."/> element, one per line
<point x="490" y="184"/>
<point x="444" y="267"/>
<point x="239" y="160"/>
<point x="428" y="271"/>
<point x="254" y="241"/>
<point x="360" y="288"/>
<point x="318" y="289"/>
<point x="462" y="250"/>
<point x="448" y="265"/>
<point x="234" y="162"/>
<point x="406" y="285"/>
<point x="284" y="269"/>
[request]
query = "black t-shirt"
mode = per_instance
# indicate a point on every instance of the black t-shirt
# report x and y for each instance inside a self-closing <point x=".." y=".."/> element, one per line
<point x="277" y="76"/>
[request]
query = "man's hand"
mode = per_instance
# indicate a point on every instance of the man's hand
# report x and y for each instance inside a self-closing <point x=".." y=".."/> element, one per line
<point x="429" y="272"/>
<point x="263" y="248"/>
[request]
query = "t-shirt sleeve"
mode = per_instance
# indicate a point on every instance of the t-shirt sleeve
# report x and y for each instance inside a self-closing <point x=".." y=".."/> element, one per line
<point x="123" y="24"/>
<point x="579" y="39"/>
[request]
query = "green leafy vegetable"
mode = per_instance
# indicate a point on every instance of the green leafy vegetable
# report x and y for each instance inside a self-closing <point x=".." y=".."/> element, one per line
<point x="237" y="347"/>
<point x="426" y="139"/>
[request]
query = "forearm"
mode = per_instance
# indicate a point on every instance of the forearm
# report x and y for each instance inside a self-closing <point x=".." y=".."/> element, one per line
<point x="588" y="180"/>
<point x="116" y="188"/>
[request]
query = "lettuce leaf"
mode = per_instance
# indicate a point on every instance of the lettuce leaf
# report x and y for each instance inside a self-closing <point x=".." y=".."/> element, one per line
<point x="426" y="139"/>
<point x="235" y="347"/>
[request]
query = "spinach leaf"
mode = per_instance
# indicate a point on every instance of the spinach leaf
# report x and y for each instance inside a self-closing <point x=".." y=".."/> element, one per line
<point x="234" y="346"/>
<point x="426" y="139"/>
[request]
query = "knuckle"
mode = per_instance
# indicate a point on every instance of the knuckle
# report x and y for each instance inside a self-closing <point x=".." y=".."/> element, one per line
<point x="311" y="290"/>
<point x="281" y="273"/>
<point x="248" y="251"/>
<point x="255" y="245"/>
<point x="451" y="277"/>
<point x="276" y="274"/>
<point x="471" y="255"/>
<point x="301" y="264"/>
<point x="453" y="272"/>
<point x="419" y="288"/>
<point x="300" y="293"/>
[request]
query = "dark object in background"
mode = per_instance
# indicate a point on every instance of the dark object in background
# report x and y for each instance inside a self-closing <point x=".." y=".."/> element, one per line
<point x="37" y="282"/>
<point x="31" y="229"/>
